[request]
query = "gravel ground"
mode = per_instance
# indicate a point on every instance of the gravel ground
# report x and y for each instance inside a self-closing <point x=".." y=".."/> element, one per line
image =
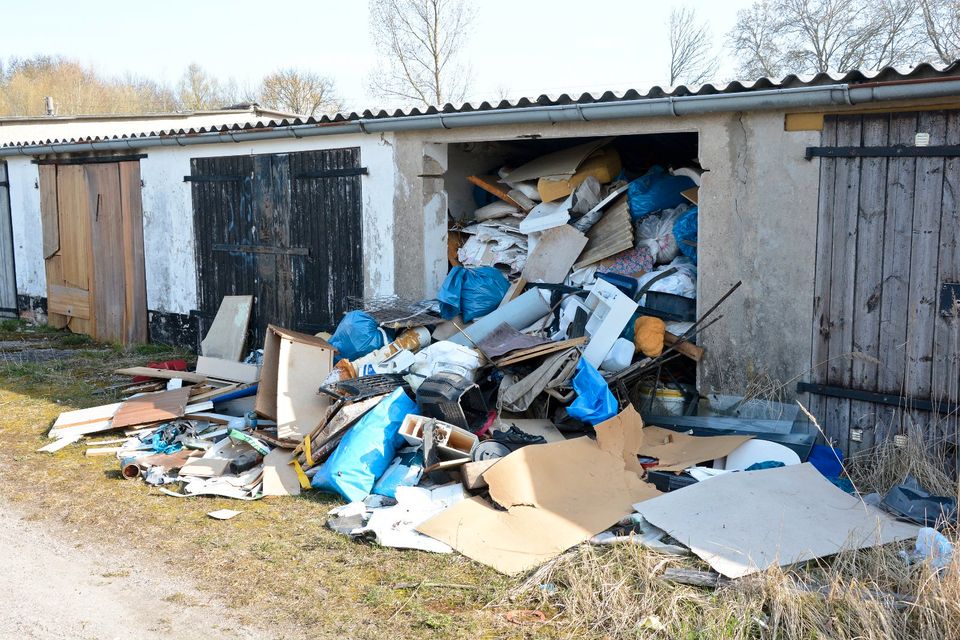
<point x="57" y="588"/>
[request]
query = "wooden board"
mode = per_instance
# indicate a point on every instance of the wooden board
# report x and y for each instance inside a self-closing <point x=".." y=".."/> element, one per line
<point x="151" y="408"/>
<point x="134" y="273"/>
<point x="59" y="443"/>
<point x="231" y="370"/>
<point x="68" y="301"/>
<point x="300" y="406"/>
<point x="491" y="184"/>
<point x="163" y="374"/>
<point x="106" y="251"/>
<point x="228" y="333"/>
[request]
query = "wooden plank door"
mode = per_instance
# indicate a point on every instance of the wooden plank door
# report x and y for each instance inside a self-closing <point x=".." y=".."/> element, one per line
<point x="93" y="249"/>
<point x="886" y="245"/>
<point x="284" y="228"/>
<point x="8" y="277"/>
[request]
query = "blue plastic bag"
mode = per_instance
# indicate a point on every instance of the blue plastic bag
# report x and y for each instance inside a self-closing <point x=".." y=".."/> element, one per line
<point x="357" y="335"/>
<point x="656" y="190"/>
<point x="367" y="449"/>
<point x="471" y="292"/>
<point x="685" y="231"/>
<point x="594" y="402"/>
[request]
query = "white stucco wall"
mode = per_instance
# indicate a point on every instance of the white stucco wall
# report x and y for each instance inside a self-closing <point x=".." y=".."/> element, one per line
<point x="168" y="230"/>
<point x="24" y="178"/>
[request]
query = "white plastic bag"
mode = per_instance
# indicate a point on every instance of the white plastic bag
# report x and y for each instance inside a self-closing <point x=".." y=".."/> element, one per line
<point x="682" y="283"/>
<point x="656" y="232"/>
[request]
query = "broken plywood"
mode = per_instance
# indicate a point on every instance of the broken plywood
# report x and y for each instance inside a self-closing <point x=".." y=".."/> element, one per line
<point x="230" y="370"/>
<point x="151" y="408"/>
<point x="228" y="333"/>
<point x="742" y="523"/>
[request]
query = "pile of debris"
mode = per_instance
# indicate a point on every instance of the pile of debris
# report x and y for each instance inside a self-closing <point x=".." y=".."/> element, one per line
<point x="501" y="419"/>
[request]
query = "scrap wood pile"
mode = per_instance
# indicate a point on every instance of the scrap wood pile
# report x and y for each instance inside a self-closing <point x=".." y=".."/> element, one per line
<point x="500" y="420"/>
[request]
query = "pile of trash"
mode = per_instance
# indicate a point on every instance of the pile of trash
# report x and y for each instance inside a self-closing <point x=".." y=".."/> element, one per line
<point x="501" y="419"/>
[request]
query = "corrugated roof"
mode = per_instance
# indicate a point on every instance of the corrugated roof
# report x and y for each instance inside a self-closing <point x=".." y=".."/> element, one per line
<point x="920" y="72"/>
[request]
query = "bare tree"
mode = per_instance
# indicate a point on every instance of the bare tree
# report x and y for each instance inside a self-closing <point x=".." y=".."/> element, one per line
<point x="941" y="23"/>
<point x="692" y="59"/>
<point x="420" y="42"/>
<point x="772" y="37"/>
<point x="199" y="91"/>
<point x="301" y="92"/>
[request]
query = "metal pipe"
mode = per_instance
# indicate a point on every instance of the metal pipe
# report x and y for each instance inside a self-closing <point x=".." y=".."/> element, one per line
<point x="796" y="98"/>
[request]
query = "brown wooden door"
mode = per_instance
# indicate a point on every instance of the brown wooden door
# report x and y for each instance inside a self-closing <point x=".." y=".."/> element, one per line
<point x="887" y="244"/>
<point x="93" y="249"/>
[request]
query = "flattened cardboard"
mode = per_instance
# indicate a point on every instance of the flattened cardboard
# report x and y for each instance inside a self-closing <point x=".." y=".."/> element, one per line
<point x="556" y="495"/>
<point x="677" y="451"/>
<point x="623" y="432"/>
<point x="279" y="476"/>
<point x="228" y="332"/>
<point x="742" y="523"/>
<point x="556" y="251"/>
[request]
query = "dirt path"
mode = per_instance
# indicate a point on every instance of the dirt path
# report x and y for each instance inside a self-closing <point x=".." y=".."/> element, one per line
<point x="58" y="588"/>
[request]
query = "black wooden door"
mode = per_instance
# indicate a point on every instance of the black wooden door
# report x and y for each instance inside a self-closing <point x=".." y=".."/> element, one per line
<point x="887" y="246"/>
<point x="285" y="228"/>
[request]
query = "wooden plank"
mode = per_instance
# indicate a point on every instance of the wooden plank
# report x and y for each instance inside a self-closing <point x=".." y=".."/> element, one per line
<point x="491" y="185"/>
<point x="924" y="254"/>
<point x="68" y="301"/>
<point x="86" y="416"/>
<point x="73" y="214"/>
<point x="151" y="408"/>
<point x="50" y="224"/>
<point x="134" y="274"/>
<point x="898" y="231"/>
<point x="843" y="268"/>
<point x="688" y="349"/>
<point x="821" y="301"/>
<point x="228" y="333"/>
<point x="106" y="251"/>
<point x="946" y="353"/>
<point x="59" y="444"/>
<point x="163" y="374"/>
<point x="868" y="280"/>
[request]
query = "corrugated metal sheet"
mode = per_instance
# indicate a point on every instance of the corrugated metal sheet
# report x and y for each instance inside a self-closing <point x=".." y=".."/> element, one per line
<point x="923" y="71"/>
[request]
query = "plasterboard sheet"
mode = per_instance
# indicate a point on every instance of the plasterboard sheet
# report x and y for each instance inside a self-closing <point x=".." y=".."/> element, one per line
<point x="228" y="332"/>
<point x="279" y="476"/>
<point x="556" y="251"/>
<point x="745" y="522"/>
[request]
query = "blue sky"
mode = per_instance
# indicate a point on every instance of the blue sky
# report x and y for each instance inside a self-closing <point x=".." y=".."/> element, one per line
<point x="517" y="48"/>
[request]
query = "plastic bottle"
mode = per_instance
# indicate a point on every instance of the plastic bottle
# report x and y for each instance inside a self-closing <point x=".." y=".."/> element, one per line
<point x="411" y="340"/>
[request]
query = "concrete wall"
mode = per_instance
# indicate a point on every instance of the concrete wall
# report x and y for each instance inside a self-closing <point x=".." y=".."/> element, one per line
<point x="168" y="230"/>
<point x="758" y="211"/>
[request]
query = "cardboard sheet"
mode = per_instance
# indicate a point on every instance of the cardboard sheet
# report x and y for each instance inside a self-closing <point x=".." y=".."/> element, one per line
<point x="556" y="495"/>
<point x="556" y="251"/>
<point x="676" y="451"/>
<point x="221" y="369"/>
<point x="623" y="432"/>
<point x="742" y="523"/>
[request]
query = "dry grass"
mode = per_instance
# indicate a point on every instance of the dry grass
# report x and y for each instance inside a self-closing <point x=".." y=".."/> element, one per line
<point x="278" y="563"/>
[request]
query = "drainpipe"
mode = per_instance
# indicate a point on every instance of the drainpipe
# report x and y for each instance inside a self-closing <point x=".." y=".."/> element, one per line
<point x="779" y="99"/>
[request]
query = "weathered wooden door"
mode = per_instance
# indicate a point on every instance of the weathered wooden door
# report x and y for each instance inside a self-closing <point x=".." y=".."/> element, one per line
<point x="8" y="278"/>
<point x="285" y="228"/>
<point x="93" y="249"/>
<point x="886" y="342"/>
